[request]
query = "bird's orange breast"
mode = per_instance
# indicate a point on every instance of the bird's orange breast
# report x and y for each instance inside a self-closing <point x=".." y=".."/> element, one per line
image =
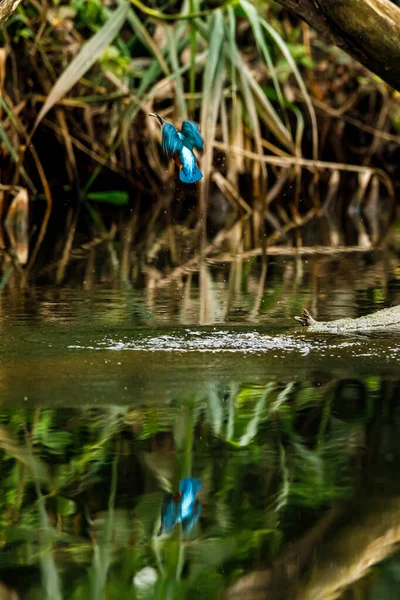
<point x="177" y="159"/>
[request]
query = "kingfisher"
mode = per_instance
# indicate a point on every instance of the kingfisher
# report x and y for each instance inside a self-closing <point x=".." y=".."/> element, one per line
<point x="178" y="145"/>
<point x="183" y="508"/>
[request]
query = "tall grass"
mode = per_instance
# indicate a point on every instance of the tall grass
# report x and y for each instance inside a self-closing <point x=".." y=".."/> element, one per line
<point x="98" y="71"/>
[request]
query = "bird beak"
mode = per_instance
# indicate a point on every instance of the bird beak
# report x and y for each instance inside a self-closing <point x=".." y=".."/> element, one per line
<point x="159" y="119"/>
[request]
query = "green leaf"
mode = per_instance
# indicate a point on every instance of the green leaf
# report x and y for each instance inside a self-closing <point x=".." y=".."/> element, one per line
<point x="115" y="197"/>
<point x="85" y="59"/>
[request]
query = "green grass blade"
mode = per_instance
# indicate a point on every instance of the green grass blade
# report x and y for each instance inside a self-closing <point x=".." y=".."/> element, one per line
<point x="252" y="427"/>
<point x="251" y="108"/>
<point x="231" y="32"/>
<point x="179" y="84"/>
<point x="245" y="88"/>
<point x="102" y="554"/>
<point x="254" y="20"/>
<point x="115" y="197"/>
<point x="213" y="81"/>
<point x="147" y="40"/>
<point x="292" y="63"/>
<point x="212" y="93"/>
<point x="85" y="59"/>
<point x="266" y="111"/>
<point x="214" y="54"/>
<point x="193" y="7"/>
<point x="265" y="108"/>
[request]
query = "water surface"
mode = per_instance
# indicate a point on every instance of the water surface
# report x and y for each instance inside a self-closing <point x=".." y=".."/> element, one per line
<point x="110" y="397"/>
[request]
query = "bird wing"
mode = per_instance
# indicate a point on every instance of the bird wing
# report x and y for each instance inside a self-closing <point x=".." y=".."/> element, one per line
<point x="170" y="514"/>
<point x="191" y="134"/>
<point x="171" y="140"/>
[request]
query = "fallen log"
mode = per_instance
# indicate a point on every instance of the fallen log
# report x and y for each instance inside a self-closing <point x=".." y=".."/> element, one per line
<point x="387" y="318"/>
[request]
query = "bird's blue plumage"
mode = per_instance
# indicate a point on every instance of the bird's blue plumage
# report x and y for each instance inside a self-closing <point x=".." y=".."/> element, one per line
<point x="170" y="514"/>
<point x="171" y="141"/>
<point x="188" y="487"/>
<point x="179" y="146"/>
<point x="191" y="520"/>
<point x="191" y="136"/>
<point x="185" y="508"/>
<point x="189" y="172"/>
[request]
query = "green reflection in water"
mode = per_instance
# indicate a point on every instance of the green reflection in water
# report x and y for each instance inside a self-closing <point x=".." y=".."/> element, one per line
<point x="82" y="488"/>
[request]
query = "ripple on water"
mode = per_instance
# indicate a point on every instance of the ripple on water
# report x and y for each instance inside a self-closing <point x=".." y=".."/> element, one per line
<point x="217" y="341"/>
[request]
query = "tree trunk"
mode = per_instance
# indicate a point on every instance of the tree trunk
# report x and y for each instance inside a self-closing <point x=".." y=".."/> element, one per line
<point x="368" y="30"/>
<point x="7" y="7"/>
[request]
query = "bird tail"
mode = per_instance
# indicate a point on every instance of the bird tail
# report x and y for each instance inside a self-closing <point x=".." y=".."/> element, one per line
<point x="190" y="176"/>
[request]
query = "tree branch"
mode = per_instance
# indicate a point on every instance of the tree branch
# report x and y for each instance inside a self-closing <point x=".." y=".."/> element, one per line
<point x="7" y="7"/>
<point x="368" y="30"/>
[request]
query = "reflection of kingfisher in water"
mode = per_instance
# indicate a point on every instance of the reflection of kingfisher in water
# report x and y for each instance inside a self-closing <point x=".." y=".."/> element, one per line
<point x="183" y="508"/>
<point x="179" y="146"/>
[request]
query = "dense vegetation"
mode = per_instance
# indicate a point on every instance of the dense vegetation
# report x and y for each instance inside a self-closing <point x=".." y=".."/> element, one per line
<point x="82" y="176"/>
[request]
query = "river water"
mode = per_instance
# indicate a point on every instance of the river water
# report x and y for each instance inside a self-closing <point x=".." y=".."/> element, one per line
<point x="111" y="397"/>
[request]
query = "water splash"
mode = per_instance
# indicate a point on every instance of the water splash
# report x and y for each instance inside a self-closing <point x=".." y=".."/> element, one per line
<point x="215" y="341"/>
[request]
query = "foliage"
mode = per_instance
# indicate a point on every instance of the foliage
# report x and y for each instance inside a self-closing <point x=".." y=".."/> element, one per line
<point x="92" y="74"/>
